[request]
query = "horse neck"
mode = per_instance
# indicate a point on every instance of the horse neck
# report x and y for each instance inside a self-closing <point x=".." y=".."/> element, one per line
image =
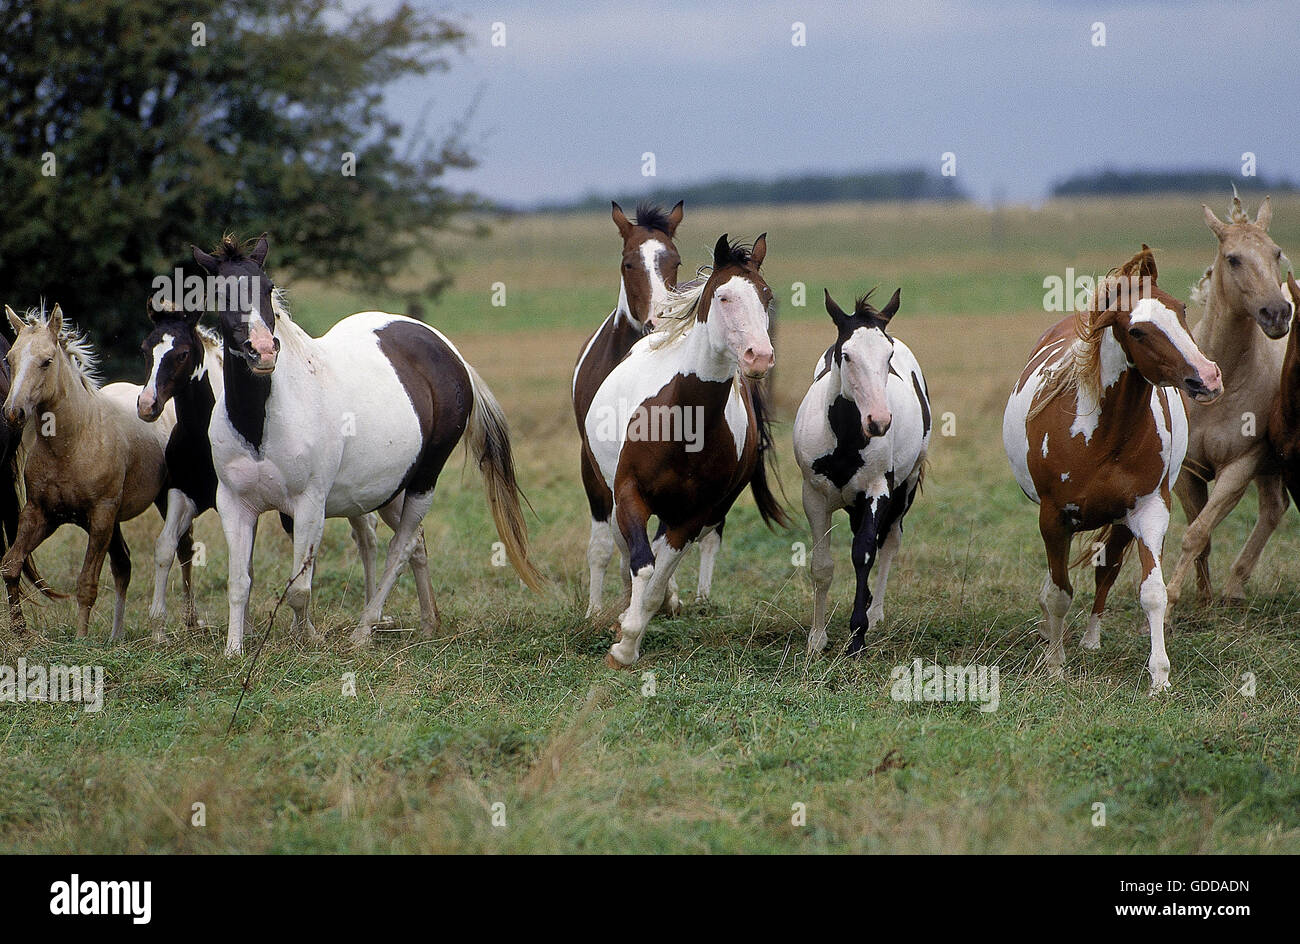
<point x="73" y="407"/>
<point x="1130" y="392"/>
<point x="1228" y="335"/>
<point x="698" y="356"/>
<point x="1290" y="388"/>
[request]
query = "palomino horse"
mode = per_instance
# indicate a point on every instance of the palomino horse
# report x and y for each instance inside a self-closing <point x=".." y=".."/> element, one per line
<point x="860" y="439"/>
<point x="648" y="273"/>
<point x="187" y="368"/>
<point x="359" y="420"/>
<point x="1245" y="321"/>
<point x="1096" y="440"/>
<point x="90" y="460"/>
<point x="1284" y="418"/>
<point x="11" y="480"/>
<point x="676" y="433"/>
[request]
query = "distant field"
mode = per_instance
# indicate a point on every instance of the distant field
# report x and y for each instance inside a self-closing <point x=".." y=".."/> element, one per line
<point x="515" y="706"/>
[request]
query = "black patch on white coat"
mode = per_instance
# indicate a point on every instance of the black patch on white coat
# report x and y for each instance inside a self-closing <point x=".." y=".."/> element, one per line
<point x="924" y="399"/>
<point x="843" y="462"/>
<point x="246" y="396"/>
<point x="439" y="388"/>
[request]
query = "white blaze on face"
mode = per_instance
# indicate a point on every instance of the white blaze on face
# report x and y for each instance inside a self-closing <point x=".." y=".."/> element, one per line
<point x="149" y="394"/>
<point x="864" y="373"/>
<point x="651" y="250"/>
<point x="1150" y="312"/>
<point x="738" y="325"/>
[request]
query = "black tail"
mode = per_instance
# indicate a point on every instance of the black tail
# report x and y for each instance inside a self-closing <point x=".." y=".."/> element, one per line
<point x="772" y="510"/>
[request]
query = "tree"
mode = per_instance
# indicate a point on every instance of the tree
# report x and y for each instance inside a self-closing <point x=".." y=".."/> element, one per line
<point x="132" y="128"/>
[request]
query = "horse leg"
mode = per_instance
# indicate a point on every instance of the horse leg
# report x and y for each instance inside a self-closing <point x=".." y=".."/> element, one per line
<point x="363" y="533"/>
<point x="651" y="573"/>
<point x="1149" y="520"/>
<point x="625" y="557"/>
<point x="308" y="527"/>
<point x="414" y="508"/>
<point x="430" y="618"/>
<point x="177" y="518"/>
<point x="33" y="528"/>
<point x="1273" y="502"/>
<point x="100" y="527"/>
<point x="1057" y="592"/>
<point x="239" y="523"/>
<point x="119" y="563"/>
<point x="893" y="528"/>
<point x="1192" y="494"/>
<point x="710" y="544"/>
<point x="866" y="515"/>
<point x="600" y="545"/>
<point x="184" y="554"/>
<point x="1228" y="488"/>
<point x="672" y="604"/>
<point x="1106" y="571"/>
<point x="818" y="512"/>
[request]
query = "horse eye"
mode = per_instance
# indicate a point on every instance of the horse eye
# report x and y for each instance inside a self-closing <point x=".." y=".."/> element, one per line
<point x="846" y="357"/>
<point x="47" y="362"/>
<point x="1234" y="260"/>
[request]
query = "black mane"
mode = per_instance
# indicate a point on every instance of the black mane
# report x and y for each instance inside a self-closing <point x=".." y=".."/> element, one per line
<point x="231" y="249"/>
<point x="738" y="254"/>
<point x="653" y="216"/>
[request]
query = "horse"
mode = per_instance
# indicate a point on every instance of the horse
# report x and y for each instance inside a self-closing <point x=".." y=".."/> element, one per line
<point x="679" y="428"/>
<point x="90" y="461"/>
<point x="187" y="368"/>
<point x="1284" y="418"/>
<point x="860" y="438"/>
<point x="648" y="273"/>
<point x="1096" y="432"/>
<point x="1243" y="330"/>
<point x="361" y="419"/>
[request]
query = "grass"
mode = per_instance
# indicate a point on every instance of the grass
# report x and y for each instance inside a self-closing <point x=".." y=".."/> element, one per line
<point x="513" y="705"/>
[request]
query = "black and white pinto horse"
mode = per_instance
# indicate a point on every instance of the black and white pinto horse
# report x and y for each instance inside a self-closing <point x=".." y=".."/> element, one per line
<point x="860" y="438"/>
<point x="361" y="419"/>
<point x="679" y="429"/>
<point x="187" y="368"/>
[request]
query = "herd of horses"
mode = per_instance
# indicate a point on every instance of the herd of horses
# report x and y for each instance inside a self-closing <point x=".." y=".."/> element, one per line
<point x="1119" y="408"/>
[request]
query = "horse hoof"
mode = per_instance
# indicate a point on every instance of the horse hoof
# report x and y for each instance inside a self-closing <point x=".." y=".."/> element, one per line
<point x="613" y="663"/>
<point x="360" y="638"/>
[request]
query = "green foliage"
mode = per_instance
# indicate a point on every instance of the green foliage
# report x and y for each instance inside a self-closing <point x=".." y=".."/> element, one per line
<point x="159" y="141"/>
<point x="1131" y="182"/>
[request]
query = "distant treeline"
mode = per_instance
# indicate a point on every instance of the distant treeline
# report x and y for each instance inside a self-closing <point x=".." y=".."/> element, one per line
<point x="874" y="186"/>
<point x="1125" y="182"/>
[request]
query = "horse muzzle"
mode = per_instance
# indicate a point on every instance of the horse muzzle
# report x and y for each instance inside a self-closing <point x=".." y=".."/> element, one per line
<point x="1205" y="389"/>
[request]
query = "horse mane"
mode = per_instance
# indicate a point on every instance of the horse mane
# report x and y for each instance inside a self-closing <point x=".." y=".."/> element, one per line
<point x="677" y="314"/>
<point x="230" y="249"/>
<point x="653" y="216"/>
<point x="74" y="343"/>
<point x="287" y="330"/>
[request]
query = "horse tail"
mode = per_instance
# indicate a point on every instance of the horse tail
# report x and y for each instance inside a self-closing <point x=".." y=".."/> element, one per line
<point x="1100" y="536"/>
<point x="772" y="510"/>
<point x="489" y="440"/>
<point x="12" y="494"/>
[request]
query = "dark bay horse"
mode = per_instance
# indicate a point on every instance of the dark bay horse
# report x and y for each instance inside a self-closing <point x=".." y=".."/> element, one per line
<point x="361" y="419"/>
<point x="679" y="428"/>
<point x="1096" y="432"/>
<point x="648" y="272"/>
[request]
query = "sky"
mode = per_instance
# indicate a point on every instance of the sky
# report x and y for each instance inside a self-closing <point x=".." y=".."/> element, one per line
<point x="1016" y="91"/>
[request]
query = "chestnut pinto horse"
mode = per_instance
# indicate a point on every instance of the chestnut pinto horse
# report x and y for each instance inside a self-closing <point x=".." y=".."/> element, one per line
<point x="1096" y="440"/>
<point x="648" y="273"/>
<point x="712" y="431"/>
<point x="187" y="368"/>
<point x="90" y="460"/>
<point x="1284" y="418"/>
<point x="861" y="437"/>
<point x="359" y="420"/>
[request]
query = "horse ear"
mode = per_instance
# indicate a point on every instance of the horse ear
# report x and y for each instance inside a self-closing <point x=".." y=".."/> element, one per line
<point x="759" y="251"/>
<point x="674" y="218"/>
<point x="1294" y="290"/>
<point x="892" y="308"/>
<point x="834" y="310"/>
<point x="205" y="261"/>
<point x="620" y="219"/>
<point x="721" y="251"/>
<point x="1146" y="263"/>
<point x="55" y="324"/>
<point x="14" y="321"/>
<point x="1265" y="215"/>
<point x="259" y="252"/>
<point x="1217" y="226"/>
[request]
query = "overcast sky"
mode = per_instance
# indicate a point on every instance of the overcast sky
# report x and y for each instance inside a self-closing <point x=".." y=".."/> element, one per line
<point x="1016" y="90"/>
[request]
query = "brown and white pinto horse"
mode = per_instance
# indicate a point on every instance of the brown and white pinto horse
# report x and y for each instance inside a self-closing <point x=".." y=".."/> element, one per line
<point x="1096" y="439"/>
<point x="679" y="428"/>
<point x="648" y="272"/>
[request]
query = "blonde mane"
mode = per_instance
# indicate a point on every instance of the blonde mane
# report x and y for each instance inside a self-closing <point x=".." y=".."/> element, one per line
<point x="74" y="343"/>
<point x="286" y="329"/>
<point x="676" y="315"/>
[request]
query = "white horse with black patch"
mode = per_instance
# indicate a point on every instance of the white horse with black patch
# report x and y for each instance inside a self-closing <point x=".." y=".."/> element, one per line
<point x="359" y="420"/>
<point x="860" y="439"/>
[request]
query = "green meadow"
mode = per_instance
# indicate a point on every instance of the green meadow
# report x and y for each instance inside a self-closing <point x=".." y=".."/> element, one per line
<point x="508" y="733"/>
